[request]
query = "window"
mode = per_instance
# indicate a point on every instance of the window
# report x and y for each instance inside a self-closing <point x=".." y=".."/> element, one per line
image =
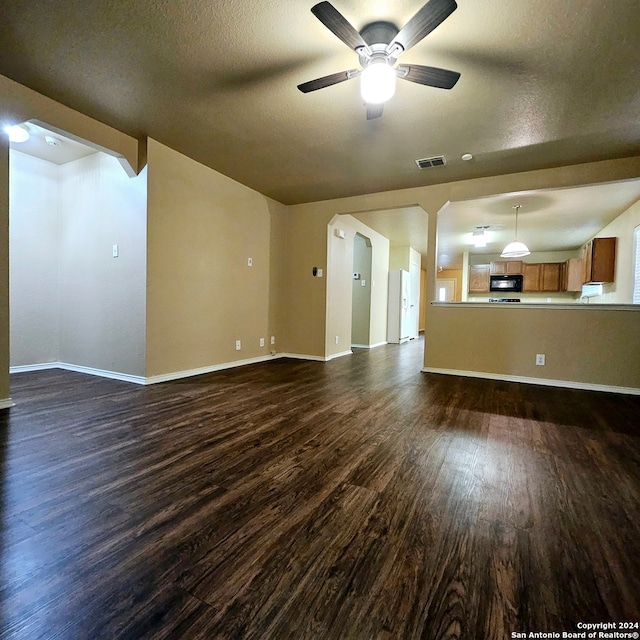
<point x="636" y="265"/>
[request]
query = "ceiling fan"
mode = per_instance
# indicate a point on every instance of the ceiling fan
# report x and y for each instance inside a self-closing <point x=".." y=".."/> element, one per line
<point x="379" y="45"/>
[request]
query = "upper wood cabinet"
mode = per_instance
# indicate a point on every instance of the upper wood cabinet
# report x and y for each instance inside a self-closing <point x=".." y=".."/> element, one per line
<point x="479" y="278"/>
<point x="599" y="261"/>
<point x="550" y="276"/>
<point x="531" y="277"/>
<point x="506" y="267"/>
<point x="541" y="276"/>
<point x="572" y="280"/>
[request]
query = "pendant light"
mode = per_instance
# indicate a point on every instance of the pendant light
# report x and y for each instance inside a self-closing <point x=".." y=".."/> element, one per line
<point x="515" y="249"/>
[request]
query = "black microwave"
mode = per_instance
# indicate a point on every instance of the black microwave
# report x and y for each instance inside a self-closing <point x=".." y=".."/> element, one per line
<point x="505" y="283"/>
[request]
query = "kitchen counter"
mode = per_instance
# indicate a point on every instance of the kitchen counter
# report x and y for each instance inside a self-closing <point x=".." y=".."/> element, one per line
<point x="539" y="305"/>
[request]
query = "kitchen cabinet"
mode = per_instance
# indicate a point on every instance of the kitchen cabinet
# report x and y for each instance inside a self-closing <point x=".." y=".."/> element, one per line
<point x="506" y="268"/>
<point x="572" y="280"/>
<point x="531" y="277"/>
<point x="479" y="278"/>
<point x="599" y="261"/>
<point x="541" y="277"/>
<point x="550" y="276"/>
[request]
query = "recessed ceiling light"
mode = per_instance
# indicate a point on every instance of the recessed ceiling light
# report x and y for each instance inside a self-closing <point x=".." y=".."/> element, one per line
<point x="17" y="133"/>
<point x="466" y="157"/>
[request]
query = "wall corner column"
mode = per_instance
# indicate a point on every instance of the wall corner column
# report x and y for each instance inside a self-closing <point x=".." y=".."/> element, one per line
<point x="4" y="273"/>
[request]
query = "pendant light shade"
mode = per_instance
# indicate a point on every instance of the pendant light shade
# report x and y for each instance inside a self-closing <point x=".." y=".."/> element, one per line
<point x="515" y="249"/>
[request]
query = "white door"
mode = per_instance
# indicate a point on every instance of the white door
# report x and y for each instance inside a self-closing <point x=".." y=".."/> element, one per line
<point x="414" y="300"/>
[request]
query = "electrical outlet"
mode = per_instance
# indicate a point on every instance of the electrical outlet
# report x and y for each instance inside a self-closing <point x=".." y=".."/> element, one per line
<point x="337" y="340"/>
<point x="540" y="359"/>
<point x="262" y="342"/>
<point x="238" y="345"/>
<point x="115" y="251"/>
<point x="273" y="339"/>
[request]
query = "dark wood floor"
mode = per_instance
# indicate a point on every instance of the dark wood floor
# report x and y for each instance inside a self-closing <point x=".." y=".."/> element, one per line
<point x="355" y="499"/>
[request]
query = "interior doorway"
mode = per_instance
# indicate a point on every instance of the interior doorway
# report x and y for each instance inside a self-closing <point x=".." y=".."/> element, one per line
<point x="445" y="289"/>
<point x="361" y="292"/>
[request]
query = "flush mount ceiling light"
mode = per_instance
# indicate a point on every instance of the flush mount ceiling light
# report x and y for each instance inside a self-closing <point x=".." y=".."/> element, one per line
<point x="379" y="45"/>
<point x="479" y="237"/>
<point x="17" y="133"/>
<point x="515" y="249"/>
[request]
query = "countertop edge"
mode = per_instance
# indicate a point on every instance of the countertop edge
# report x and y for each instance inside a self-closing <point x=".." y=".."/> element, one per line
<point x="531" y="305"/>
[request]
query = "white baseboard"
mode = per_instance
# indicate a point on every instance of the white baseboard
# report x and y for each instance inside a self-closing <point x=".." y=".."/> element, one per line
<point x="568" y="384"/>
<point x="113" y="375"/>
<point x="177" y="375"/>
<point x="7" y="403"/>
<point x="303" y="356"/>
<point x="369" y="346"/>
<point x="333" y="356"/>
<point x="34" y="367"/>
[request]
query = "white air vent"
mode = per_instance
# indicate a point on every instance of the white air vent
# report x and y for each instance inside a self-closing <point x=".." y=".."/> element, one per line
<point x="434" y="161"/>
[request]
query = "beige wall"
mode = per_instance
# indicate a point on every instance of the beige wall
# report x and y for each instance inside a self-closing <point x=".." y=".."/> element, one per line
<point x="621" y="290"/>
<point x="588" y="345"/>
<point x="198" y="242"/>
<point x="4" y="268"/>
<point x="312" y="217"/>
<point x="201" y="294"/>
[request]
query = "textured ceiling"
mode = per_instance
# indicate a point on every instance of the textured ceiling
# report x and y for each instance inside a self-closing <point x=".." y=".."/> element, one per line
<point x="543" y="83"/>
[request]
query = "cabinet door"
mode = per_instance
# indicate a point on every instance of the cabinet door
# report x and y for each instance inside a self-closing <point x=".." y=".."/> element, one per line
<point x="531" y="277"/>
<point x="506" y="267"/>
<point x="573" y="275"/>
<point x="514" y="267"/>
<point x="550" y="280"/>
<point x="479" y="278"/>
<point x="603" y="259"/>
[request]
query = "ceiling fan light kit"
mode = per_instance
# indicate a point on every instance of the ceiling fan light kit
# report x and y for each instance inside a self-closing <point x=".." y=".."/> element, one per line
<point x="377" y="82"/>
<point x="379" y="45"/>
<point x="515" y="249"/>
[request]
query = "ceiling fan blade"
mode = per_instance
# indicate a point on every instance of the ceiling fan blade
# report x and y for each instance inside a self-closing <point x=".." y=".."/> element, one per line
<point x="434" y="13"/>
<point x="327" y="81"/>
<point x="338" y="25"/>
<point x="431" y="76"/>
<point x="374" y="111"/>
